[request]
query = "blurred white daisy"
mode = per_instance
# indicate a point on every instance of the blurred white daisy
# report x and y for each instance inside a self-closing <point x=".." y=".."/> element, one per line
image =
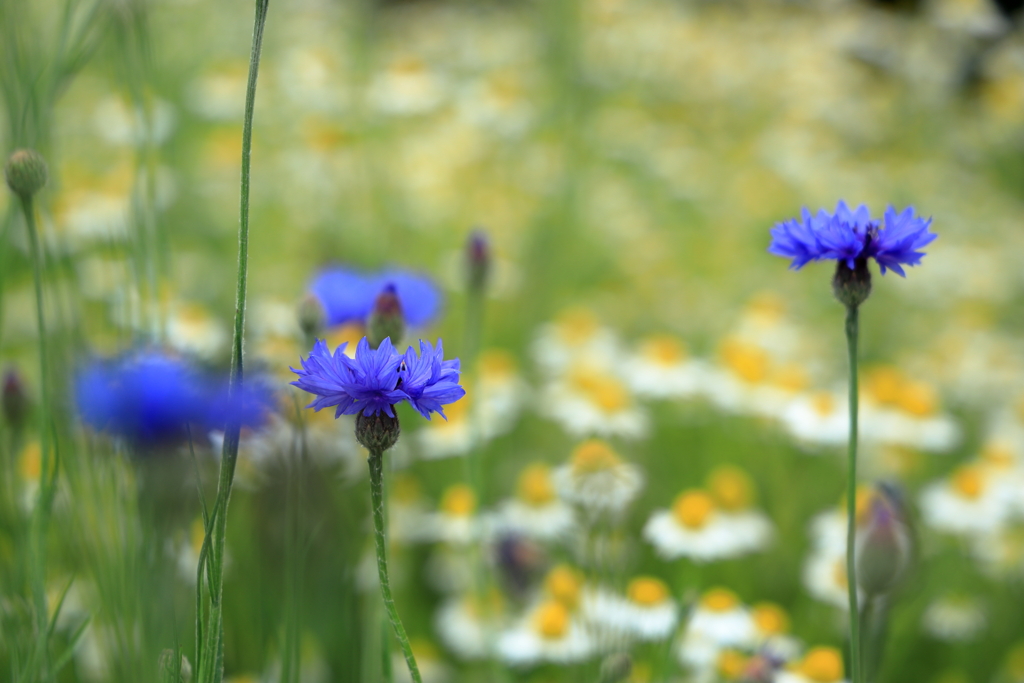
<point x="819" y="665"/>
<point x="900" y="410"/>
<point x="451" y="437"/>
<point x="536" y="511"/>
<point x="407" y="86"/>
<point x="192" y="329"/>
<point x="548" y="633"/>
<point x="121" y="123"/>
<point x="468" y="626"/>
<point x="696" y="528"/>
<point x="575" y="337"/>
<point x="588" y="400"/>
<point x="969" y="501"/>
<point x="734" y="495"/>
<point x="220" y="93"/>
<point x="662" y="368"/>
<point x="456" y="520"/>
<point x="718" y="622"/>
<point x="564" y="584"/>
<point x="818" y="418"/>
<point x="646" y="612"/>
<point x="771" y="632"/>
<point x="748" y="380"/>
<point x="954" y="618"/>
<point x="597" y="479"/>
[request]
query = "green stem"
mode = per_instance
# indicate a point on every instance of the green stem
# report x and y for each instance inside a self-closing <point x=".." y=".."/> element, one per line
<point x="852" y="325"/>
<point x="211" y="659"/>
<point x="40" y="515"/>
<point x="376" y="461"/>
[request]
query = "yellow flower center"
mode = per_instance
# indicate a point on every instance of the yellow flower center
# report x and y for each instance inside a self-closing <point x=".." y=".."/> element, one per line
<point x="496" y="364"/>
<point x="606" y="392"/>
<point x="593" y="456"/>
<point x="576" y="326"/>
<point x="967" y="481"/>
<point x="551" y="620"/>
<point x="885" y="384"/>
<point x="824" y="403"/>
<point x="750" y="363"/>
<point x="30" y="462"/>
<point x="731" y="488"/>
<point x="839" y="574"/>
<point x="823" y="665"/>
<point x="458" y="501"/>
<point x="535" y="486"/>
<point x="349" y="332"/>
<point x="919" y="399"/>
<point x="563" y="584"/>
<point x="998" y="455"/>
<point x="455" y="412"/>
<point x="663" y="350"/>
<point x="767" y="306"/>
<point x="198" y="535"/>
<point x="770" y="619"/>
<point x="719" y="600"/>
<point x="790" y="377"/>
<point x="647" y="591"/>
<point x="406" y="488"/>
<point x="732" y="664"/>
<point x="693" y="508"/>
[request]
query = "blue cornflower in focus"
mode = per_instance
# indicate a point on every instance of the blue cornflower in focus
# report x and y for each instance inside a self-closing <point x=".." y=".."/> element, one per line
<point x="376" y="379"/>
<point x="348" y="295"/>
<point x="853" y="237"/>
<point x="150" y="398"/>
<point x="430" y="381"/>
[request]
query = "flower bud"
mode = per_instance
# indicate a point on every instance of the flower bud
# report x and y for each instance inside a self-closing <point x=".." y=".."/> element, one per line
<point x="386" y="319"/>
<point x="478" y="260"/>
<point x="883" y="545"/>
<point x="377" y="433"/>
<point x="25" y="172"/>
<point x="312" y="317"/>
<point x="852" y="287"/>
<point x="171" y="671"/>
<point x="616" y="667"/>
<point x="14" y="400"/>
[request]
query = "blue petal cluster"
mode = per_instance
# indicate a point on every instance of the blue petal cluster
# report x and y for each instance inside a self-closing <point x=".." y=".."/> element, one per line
<point x="376" y="379"/>
<point x="150" y="398"/>
<point x="847" y="236"/>
<point x="348" y="295"/>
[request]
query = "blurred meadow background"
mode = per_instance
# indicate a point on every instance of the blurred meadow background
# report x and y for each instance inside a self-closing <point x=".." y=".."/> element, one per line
<point x="656" y="406"/>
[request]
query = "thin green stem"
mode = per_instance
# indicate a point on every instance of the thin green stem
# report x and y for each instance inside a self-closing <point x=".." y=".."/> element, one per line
<point x="41" y="512"/>
<point x="212" y="656"/>
<point x="376" y="461"/>
<point x="852" y="325"/>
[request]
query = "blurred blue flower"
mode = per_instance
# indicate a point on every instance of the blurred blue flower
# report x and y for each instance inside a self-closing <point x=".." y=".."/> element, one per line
<point x="847" y="236"/>
<point x="149" y="398"/>
<point x="430" y="381"/>
<point x="347" y="295"/>
<point x="376" y="379"/>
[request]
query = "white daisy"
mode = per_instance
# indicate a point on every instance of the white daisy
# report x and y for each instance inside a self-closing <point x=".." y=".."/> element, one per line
<point x="536" y="511"/>
<point x="772" y="637"/>
<point x="900" y="410"/>
<point x="819" y="665"/>
<point x="597" y="479"/>
<point x="575" y="337"/>
<point x="825" y="577"/>
<point x="969" y="501"/>
<point x="733" y="492"/>
<point x="818" y="418"/>
<point x="718" y="622"/>
<point x="455" y="520"/>
<point x="646" y="612"/>
<point x="548" y="633"/>
<point x="954" y="618"/>
<point x="408" y="86"/>
<point x="469" y="627"/>
<point x="697" y="529"/>
<point x="451" y="437"/>
<point x="749" y="380"/>
<point x="588" y="400"/>
<point x="220" y="94"/>
<point x="192" y="329"/>
<point x="662" y="368"/>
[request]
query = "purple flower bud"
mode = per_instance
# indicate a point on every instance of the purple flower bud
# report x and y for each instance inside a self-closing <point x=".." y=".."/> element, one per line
<point x="883" y="544"/>
<point x="386" y="321"/>
<point x="478" y="260"/>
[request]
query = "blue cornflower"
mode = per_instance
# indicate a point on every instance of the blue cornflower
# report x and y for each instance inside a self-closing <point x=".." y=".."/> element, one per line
<point x="429" y="381"/>
<point x="367" y="384"/>
<point x="150" y="398"/>
<point x="376" y="379"/>
<point x="850" y="236"/>
<point x="348" y="295"/>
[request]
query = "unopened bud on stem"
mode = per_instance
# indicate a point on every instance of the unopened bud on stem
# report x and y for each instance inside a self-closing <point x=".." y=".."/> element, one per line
<point x="883" y="546"/>
<point x="312" y="316"/>
<point x="478" y="260"/>
<point x="386" y="319"/>
<point x="25" y="172"/>
<point x="852" y="286"/>
<point x="377" y="433"/>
